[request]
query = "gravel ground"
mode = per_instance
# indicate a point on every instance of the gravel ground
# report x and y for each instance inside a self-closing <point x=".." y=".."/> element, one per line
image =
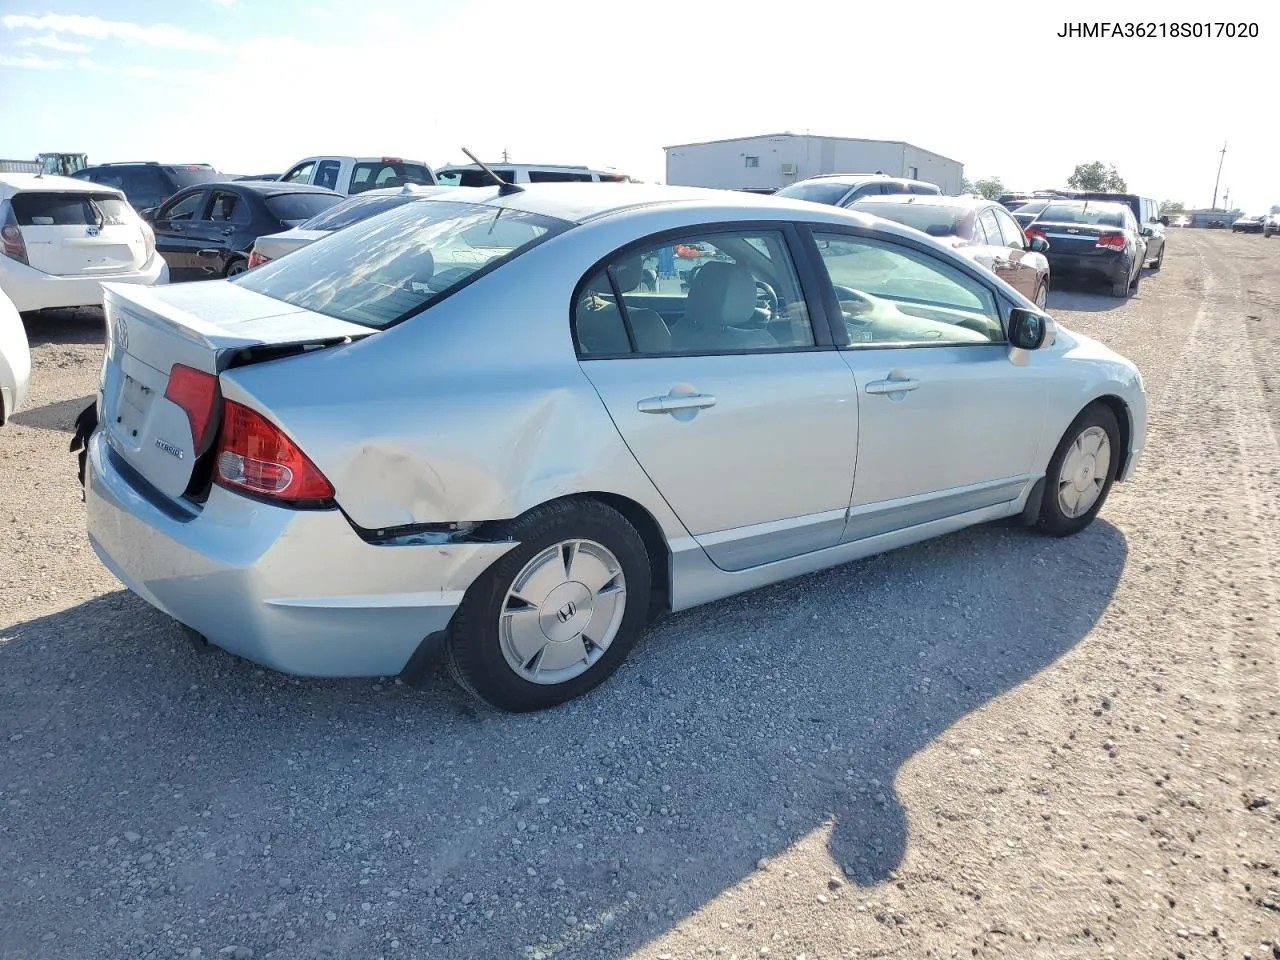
<point x="992" y="744"/>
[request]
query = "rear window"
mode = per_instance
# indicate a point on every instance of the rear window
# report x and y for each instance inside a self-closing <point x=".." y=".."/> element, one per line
<point x="380" y="271"/>
<point x="474" y="178"/>
<point x="829" y="193"/>
<point x="68" y="210"/>
<point x="558" y="176"/>
<point x="353" y="211"/>
<point x="300" y="206"/>
<point x="933" y="220"/>
<point x="1099" y="216"/>
<point x="188" y="175"/>
<point x="376" y="174"/>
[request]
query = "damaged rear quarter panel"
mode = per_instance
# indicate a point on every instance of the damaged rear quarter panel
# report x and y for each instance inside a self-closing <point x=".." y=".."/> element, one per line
<point x="476" y="409"/>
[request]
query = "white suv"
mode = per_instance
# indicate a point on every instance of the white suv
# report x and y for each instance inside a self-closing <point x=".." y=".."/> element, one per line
<point x="357" y="174"/>
<point x="60" y="238"/>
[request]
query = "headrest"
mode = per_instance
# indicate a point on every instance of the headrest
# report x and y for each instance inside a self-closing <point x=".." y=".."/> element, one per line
<point x="722" y="293"/>
<point x="628" y="273"/>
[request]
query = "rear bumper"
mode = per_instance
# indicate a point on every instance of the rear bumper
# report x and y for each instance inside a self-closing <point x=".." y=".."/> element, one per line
<point x="30" y="289"/>
<point x="1099" y="266"/>
<point x="294" y="590"/>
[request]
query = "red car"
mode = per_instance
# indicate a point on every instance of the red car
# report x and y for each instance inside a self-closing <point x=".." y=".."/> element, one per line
<point x="980" y="229"/>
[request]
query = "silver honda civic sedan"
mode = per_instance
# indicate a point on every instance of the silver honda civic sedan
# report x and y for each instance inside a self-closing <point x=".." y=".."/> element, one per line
<point x="525" y="421"/>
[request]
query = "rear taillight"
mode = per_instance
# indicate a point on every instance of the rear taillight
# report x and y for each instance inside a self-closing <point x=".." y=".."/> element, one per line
<point x="1031" y="232"/>
<point x="256" y="259"/>
<point x="196" y="393"/>
<point x="255" y="456"/>
<point x="11" y="240"/>
<point x="1111" y="241"/>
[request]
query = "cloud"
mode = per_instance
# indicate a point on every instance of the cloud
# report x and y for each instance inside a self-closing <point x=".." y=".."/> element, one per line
<point x="52" y="42"/>
<point x="95" y="28"/>
<point x="31" y="62"/>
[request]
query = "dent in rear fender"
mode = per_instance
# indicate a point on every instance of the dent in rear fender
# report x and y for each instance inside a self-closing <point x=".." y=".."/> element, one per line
<point x="494" y="457"/>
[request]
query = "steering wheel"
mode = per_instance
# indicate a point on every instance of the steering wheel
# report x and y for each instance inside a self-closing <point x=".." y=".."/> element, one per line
<point x="766" y="307"/>
<point x="855" y="306"/>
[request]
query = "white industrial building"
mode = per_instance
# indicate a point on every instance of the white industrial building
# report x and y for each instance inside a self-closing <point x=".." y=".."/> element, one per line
<point x="769" y="162"/>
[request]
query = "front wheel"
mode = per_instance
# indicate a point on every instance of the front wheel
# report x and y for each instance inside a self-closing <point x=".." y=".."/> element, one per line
<point x="237" y="267"/>
<point x="1159" y="260"/>
<point x="1042" y="295"/>
<point x="1081" y="472"/>
<point x="555" y="617"/>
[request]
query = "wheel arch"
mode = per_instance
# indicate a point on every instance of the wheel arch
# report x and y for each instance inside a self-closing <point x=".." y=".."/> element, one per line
<point x="646" y="524"/>
<point x="1124" y="419"/>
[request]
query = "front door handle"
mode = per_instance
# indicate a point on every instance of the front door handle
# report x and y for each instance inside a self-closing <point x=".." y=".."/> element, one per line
<point x="671" y="404"/>
<point x="892" y="386"/>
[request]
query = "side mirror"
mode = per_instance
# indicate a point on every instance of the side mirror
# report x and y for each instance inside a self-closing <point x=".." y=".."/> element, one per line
<point x="1029" y="329"/>
<point x="149" y="214"/>
<point x="1164" y="221"/>
<point x="1147" y="232"/>
<point x="1038" y="245"/>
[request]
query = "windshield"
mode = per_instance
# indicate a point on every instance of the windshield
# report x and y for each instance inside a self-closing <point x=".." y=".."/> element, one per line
<point x="936" y="221"/>
<point x="289" y="207"/>
<point x="388" y="268"/>
<point x="816" y="192"/>
<point x="353" y="211"/>
<point x="1098" y="215"/>
<point x="186" y="176"/>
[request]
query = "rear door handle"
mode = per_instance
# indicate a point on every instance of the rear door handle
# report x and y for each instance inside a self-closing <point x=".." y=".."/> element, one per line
<point x="892" y="386"/>
<point x="669" y="404"/>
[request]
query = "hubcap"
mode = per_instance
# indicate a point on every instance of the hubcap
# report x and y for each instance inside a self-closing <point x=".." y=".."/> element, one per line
<point x="562" y="611"/>
<point x="1084" y="472"/>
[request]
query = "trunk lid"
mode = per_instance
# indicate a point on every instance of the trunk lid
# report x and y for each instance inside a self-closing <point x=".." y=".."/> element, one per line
<point x="276" y="245"/>
<point x="69" y="233"/>
<point x="1074" y="238"/>
<point x="206" y="326"/>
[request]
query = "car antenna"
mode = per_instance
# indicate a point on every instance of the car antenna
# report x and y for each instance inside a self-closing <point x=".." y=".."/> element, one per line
<point x="504" y="188"/>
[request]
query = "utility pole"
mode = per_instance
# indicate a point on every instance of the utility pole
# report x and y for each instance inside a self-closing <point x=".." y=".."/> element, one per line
<point x="1226" y="199"/>
<point x="1223" y="156"/>
<point x="504" y="155"/>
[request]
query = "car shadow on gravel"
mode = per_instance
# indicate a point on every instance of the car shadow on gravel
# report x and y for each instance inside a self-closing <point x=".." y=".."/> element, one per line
<point x="54" y="416"/>
<point x="80" y="326"/>
<point x="372" y="810"/>
<point x="1084" y="296"/>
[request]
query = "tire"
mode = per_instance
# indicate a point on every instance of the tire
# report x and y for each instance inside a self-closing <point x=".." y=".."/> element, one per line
<point x="1042" y="295"/>
<point x="236" y="267"/>
<point x="1121" y="288"/>
<point x="1057" y="517"/>
<point x="485" y="646"/>
<point x="1159" y="260"/>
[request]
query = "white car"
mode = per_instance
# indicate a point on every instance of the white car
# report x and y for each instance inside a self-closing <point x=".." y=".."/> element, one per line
<point x="357" y="174"/>
<point x="273" y="246"/>
<point x="60" y="238"/>
<point x="470" y="175"/>
<point x="15" y="360"/>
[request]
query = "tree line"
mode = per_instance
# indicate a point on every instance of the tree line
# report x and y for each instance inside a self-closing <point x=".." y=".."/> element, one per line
<point x="1095" y="176"/>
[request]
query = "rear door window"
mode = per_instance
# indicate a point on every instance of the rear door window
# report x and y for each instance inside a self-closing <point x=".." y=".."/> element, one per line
<point x="372" y="175"/>
<point x="1010" y="232"/>
<point x="227" y="207"/>
<point x="988" y="231"/>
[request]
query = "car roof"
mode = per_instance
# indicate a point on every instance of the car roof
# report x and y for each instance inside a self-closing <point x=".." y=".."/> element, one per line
<point x="24" y="182"/>
<point x="266" y="187"/>
<point x="572" y="167"/>
<point x="933" y="200"/>
<point x="581" y="203"/>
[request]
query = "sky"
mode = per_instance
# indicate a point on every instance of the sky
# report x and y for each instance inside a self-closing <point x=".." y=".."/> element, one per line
<point x="251" y="86"/>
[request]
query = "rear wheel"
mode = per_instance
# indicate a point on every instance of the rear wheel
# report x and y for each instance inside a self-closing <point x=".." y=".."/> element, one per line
<point x="1081" y="472"/>
<point x="237" y="267"/>
<point x="555" y="617"/>
<point x="1121" y="287"/>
